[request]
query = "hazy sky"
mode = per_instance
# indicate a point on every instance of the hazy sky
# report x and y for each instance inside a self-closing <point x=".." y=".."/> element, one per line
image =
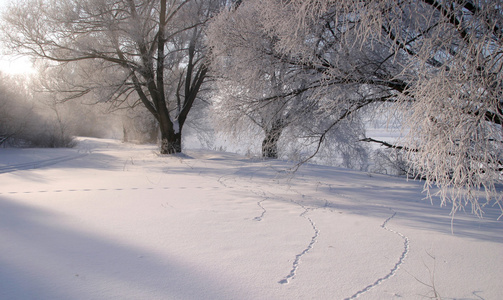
<point x="13" y="64"/>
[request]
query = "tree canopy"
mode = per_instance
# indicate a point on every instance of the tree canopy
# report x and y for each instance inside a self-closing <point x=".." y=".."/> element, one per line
<point x="434" y="65"/>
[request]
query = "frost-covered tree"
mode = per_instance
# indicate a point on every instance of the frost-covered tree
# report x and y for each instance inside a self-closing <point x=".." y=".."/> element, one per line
<point x="260" y="86"/>
<point x="147" y="50"/>
<point x="439" y="62"/>
<point x="270" y="98"/>
<point x="253" y="89"/>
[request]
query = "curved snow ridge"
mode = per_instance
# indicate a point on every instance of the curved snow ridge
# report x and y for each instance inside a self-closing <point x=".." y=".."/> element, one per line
<point x="296" y="262"/>
<point x="395" y="267"/>
<point x="39" y="163"/>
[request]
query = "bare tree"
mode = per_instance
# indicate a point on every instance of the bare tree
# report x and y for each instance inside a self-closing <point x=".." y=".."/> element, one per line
<point x="152" y="50"/>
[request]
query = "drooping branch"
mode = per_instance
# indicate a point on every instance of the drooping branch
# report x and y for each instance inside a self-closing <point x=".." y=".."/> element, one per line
<point x="386" y="144"/>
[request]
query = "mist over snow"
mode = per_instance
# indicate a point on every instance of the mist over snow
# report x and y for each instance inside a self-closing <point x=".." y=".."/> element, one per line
<point x="113" y="220"/>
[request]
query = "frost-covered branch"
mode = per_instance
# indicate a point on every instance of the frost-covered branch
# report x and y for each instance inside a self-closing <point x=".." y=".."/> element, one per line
<point x="439" y="62"/>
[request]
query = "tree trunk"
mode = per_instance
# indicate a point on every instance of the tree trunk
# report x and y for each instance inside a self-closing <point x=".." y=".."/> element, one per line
<point x="270" y="142"/>
<point x="171" y="136"/>
<point x="171" y="144"/>
<point x="270" y="147"/>
<point x="125" y="138"/>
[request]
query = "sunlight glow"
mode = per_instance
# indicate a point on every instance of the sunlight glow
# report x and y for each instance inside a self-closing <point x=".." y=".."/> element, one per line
<point x="16" y="65"/>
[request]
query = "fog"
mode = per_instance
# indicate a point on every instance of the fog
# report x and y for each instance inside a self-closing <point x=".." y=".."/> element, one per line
<point x="31" y="118"/>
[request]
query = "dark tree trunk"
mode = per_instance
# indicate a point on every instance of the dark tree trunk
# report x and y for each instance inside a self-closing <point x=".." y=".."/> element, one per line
<point x="171" y="145"/>
<point x="270" y="147"/>
<point x="125" y="137"/>
<point x="270" y="142"/>
<point x="171" y="137"/>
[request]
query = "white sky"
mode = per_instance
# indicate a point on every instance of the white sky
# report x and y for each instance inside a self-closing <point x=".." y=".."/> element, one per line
<point x="12" y="64"/>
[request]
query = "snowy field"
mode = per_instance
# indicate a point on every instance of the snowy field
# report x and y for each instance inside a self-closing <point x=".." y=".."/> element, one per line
<point x="108" y="220"/>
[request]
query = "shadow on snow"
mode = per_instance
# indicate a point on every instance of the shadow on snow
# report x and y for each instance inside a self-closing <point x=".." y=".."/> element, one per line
<point x="35" y="252"/>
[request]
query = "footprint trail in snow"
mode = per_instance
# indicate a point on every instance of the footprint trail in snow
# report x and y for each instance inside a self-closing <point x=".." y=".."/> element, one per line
<point x="296" y="262"/>
<point x="395" y="267"/>
<point x="265" y="197"/>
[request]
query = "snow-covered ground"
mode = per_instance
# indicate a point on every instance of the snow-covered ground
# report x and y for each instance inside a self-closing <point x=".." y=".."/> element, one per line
<point x="108" y="220"/>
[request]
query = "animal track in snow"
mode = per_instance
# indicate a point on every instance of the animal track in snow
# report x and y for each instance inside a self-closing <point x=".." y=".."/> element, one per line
<point x="393" y="270"/>
<point x="87" y="190"/>
<point x="296" y="262"/>
<point x="225" y="180"/>
<point x="259" y="218"/>
<point x="259" y="203"/>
